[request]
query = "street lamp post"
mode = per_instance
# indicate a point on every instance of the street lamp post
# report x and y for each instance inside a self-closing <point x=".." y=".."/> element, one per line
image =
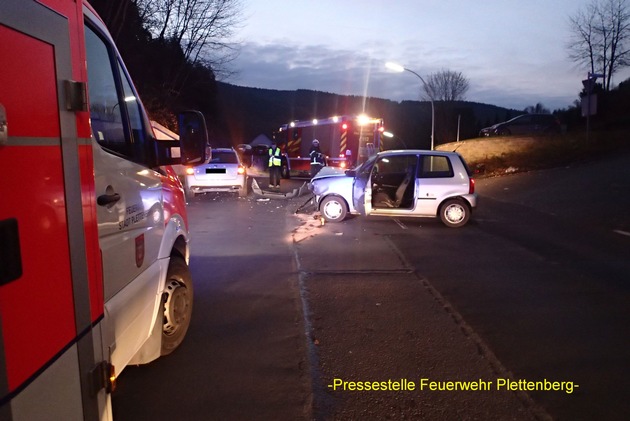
<point x="391" y="135"/>
<point x="398" y="68"/>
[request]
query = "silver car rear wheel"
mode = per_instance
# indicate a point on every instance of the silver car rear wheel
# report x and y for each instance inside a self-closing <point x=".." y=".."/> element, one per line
<point x="454" y="213"/>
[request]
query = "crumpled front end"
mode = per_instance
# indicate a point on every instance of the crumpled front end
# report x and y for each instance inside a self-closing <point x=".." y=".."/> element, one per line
<point x="338" y="185"/>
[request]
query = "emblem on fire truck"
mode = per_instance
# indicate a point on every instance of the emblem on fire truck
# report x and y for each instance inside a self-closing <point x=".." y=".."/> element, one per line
<point x="139" y="250"/>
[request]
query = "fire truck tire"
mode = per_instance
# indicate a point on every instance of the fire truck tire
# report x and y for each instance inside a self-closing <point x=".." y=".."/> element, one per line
<point x="177" y="301"/>
<point x="333" y="209"/>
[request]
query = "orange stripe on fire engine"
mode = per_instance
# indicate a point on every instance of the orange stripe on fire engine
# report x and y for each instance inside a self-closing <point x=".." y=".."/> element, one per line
<point x="294" y="146"/>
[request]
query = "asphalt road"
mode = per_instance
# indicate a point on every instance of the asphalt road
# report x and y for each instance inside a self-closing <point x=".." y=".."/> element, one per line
<point x="244" y="356"/>
<point x="535" y="288"/>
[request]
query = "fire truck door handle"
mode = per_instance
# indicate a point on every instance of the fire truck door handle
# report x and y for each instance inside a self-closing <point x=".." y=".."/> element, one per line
<point x="108" y="199"/>
<point x="3" y="126"/>
<point x="11" y="257"/>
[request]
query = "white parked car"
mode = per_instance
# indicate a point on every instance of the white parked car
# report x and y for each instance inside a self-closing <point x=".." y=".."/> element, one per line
<point x="413" y="183"/>
<point x="224" y="172"/>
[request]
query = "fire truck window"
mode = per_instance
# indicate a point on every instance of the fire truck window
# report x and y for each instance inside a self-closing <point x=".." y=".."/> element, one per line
<point x="105" y="108"/>
<point x="135" y="115"/>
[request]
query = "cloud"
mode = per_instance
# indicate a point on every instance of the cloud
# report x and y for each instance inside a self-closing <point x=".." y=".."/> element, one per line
<point x="515" y="83"/>
<point x="512" y="57"/>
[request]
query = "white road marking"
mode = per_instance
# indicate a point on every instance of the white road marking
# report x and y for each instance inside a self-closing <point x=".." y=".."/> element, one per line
<point x="626" y="233"/>
<point x="400" y="224"/>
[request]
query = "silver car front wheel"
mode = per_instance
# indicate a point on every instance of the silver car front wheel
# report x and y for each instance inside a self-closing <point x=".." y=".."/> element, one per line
<point x="333" y="209"/>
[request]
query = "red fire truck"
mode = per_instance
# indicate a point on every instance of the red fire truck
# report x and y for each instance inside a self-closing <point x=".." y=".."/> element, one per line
<point x="346" y="140"/>
<point x="93" y="229"/>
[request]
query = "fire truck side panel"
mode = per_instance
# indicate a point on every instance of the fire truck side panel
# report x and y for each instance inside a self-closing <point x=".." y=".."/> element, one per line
<point x="93" y="253"/>
<point x="298" y="152"/>
<point x="37" y="201"/>
<point x="86" y="161"/>
<point x="174" y="199"/>
<point x="59" y="385"/>
<point x="328" y="136"/>
<point x="130" y="233"/>
<point x="347" y="140"/>
<point x="131" y="229"/>
<point x="83" y="219"/>
<point x="47" y="347"/>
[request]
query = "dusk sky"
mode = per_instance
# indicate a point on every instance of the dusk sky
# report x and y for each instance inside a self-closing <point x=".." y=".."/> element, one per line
<point x="513" y="52"/>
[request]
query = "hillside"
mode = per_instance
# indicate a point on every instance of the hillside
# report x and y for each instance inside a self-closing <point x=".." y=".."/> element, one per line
<point x="492" y="156"/>
<point x="244" y="113"/>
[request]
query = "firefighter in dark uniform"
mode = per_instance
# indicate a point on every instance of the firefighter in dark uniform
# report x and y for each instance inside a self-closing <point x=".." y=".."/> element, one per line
<point x="317" y="158"/>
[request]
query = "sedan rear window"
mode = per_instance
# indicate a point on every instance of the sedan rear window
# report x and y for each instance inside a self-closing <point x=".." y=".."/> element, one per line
<point x="224" y="158"/>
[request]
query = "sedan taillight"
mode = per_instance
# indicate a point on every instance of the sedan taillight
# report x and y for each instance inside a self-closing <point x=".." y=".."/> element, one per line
<point x="471" y="185"/>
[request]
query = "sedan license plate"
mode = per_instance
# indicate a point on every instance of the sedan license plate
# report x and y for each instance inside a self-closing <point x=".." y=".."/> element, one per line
<point x="215" y="170"/>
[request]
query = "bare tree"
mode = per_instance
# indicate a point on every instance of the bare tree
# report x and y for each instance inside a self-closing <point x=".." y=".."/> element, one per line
<point x="203" y="28"/>
<point x="446" y="85"/>
<point x="599" y="37"/>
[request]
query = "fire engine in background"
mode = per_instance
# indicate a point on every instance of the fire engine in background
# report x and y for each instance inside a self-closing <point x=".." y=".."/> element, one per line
<point x="346" y="140"/>
<point x="93" y="230"/>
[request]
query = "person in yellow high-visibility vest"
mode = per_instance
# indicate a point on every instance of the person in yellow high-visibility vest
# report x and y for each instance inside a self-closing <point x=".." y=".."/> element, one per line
<point x="275" y="165"/>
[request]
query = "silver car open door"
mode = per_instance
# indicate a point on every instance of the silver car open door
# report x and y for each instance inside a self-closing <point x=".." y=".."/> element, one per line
<point x="362" y="187"/>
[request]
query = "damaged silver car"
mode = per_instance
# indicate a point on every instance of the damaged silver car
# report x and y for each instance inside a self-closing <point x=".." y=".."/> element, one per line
<point x="410" y="183"/>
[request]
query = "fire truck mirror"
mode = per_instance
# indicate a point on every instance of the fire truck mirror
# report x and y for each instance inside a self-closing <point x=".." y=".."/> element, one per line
<point x="4" y="135"/>
<point x="193" y="137"/>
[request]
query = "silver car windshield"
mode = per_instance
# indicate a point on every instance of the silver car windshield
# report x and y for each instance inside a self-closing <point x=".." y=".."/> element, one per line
<point x="366" y="167"/>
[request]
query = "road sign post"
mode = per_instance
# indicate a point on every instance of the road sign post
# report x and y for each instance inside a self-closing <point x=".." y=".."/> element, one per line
<point x="589" y="101"/>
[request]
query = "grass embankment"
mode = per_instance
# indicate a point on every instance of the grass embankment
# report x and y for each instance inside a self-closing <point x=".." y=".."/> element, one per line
<point x="492" y="156"/>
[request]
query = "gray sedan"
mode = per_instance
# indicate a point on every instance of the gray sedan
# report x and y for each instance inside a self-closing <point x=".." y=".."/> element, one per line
<point x="414" y="183"/>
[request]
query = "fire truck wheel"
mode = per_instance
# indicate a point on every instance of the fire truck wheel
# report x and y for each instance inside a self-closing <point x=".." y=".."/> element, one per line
<point x="177" y="301"/>
<point x="333" y="209"/>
